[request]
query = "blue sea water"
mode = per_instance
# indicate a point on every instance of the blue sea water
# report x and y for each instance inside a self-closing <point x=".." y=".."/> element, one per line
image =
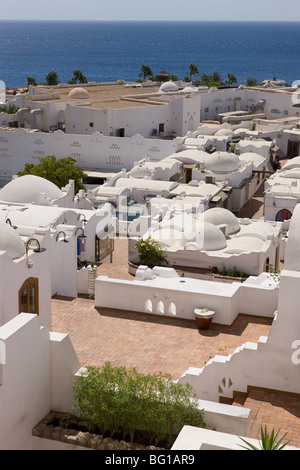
<point x="109" y="51"/>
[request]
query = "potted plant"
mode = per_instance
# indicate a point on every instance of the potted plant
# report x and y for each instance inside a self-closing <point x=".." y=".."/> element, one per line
<point x="268" y="441"/>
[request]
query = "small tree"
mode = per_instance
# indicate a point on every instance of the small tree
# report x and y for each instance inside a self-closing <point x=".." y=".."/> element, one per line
<point x="52" y="79"/>
<point x="231" y="79"/>
<point x="31" y="81"/>
<point x="252" y="81"/>
<point x="78" y="77"/>
<point x="58" y="172"/>
<point x="146" y="72"/>
<point x="150" y="252"/>
<point x="193" y="71"/>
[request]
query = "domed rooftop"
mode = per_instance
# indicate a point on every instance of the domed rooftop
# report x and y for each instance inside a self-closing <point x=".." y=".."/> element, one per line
<point x="224" y="132"/>
<point x="78" y="94"/>
<point x="221" y="216"/>
<point x="222" y="162"/>
<point x="10" y="241"/>
<point x="30" y="189"/>
<point x="168" y="86"/>
<point x="189" y="89"/>
<point x="204" y="236"/>
<point x="140" y="172"/>
<point x="293" y="163"/>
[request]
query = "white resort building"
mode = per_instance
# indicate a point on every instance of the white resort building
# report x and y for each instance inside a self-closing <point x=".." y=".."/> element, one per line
<point x="160" y="150"/>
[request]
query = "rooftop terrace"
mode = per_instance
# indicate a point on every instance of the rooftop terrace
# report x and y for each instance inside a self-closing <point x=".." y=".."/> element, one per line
<point x="159" y="344"/>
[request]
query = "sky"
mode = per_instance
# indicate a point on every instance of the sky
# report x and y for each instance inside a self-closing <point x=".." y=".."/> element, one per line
<point x="153" y="10"/>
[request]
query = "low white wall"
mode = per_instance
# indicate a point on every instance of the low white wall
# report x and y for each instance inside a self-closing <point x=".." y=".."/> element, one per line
<point x="37" y="369"/>
<point x="178" y="297"/>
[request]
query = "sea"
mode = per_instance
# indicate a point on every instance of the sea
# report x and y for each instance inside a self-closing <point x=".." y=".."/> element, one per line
<point x="116" y="50"/>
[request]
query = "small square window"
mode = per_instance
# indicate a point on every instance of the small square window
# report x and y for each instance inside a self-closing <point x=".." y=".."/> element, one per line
<point x="91" y="124"/>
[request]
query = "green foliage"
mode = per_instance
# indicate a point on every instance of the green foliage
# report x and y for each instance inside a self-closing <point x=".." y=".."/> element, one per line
<point x="118" y="400"/>
<point x="231" y="79"/>
<point x="78" y="77"/>
<point x="58" y="172"/>
<point x="150" y="252"/>
<point x="52" y="79"/>
<point x="274" y="275"/>
<point x="268" y="441"/>
<point x="9" y="109"/>
<point x="31" y="81"/>
<point x="252" y="81"/>
<point x="146" y="72"/>
<point x="233" y="272"/>
<point x="193" y="70"/>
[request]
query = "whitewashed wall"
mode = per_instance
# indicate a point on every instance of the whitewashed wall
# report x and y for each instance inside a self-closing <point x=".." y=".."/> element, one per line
<point x="21" y="146"/>
<point x="169" y="298"/>
<point x="12" y="276"/>
<point x="37" y="369"/>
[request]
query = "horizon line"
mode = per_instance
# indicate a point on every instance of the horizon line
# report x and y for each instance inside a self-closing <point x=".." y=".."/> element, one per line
<point x="151" y="21"/>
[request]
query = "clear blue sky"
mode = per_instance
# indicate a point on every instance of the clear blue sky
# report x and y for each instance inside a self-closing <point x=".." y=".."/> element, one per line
<point x="164" y="10"/>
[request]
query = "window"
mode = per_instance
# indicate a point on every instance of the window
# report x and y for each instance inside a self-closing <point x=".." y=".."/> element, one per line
<point x="91" y="124"/>
<point x="28" y="296"/>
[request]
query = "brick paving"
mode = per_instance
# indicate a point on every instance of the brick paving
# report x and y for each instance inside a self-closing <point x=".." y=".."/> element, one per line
<point x="158" y="344"/>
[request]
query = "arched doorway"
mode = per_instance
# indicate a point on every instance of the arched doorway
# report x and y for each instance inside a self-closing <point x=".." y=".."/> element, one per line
<point x="29" y="296"/>
<point x="283" y="214"/>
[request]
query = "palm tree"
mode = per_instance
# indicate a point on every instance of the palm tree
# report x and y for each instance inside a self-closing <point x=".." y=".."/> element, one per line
<point x="193" y="71"/>
<point x="205" y="79"/>
<point x="31" y="81"/>
<point x="216" y="78"/>
<point x="231" y="79"/>
<point x="146" y="71"/>
<point x="79" y="77"/>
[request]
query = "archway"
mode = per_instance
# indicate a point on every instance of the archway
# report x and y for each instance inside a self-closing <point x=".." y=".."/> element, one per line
<point x="283" y="214"/>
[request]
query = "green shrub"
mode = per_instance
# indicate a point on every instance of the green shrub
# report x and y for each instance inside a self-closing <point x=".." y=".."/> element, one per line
<point x="118" y="400"/>
<point x="150" y="252"/>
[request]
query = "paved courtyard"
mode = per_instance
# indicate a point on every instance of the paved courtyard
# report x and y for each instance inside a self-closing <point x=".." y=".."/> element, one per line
<point x="156" y="344"/>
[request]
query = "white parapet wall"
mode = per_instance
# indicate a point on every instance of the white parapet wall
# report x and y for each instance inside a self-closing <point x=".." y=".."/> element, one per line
<point x="162" y="291"/>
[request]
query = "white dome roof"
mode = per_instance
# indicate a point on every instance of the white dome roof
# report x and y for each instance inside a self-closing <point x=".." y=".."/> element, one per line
<point x="189" y="89"/>
<point x="221" y="216"/>
<point x="140" y="172"/>
<point x="204" y="236"/>
<point x="78" y="94"/>
<point x="244" y="245"/>
<point x="168" y="86"/>
<point x="293" y="163"/>
<point x="10" y="241"/>
<point x="30" y="189"/>
<point x="224" y="132"/>
<point x="222" y="162"/>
